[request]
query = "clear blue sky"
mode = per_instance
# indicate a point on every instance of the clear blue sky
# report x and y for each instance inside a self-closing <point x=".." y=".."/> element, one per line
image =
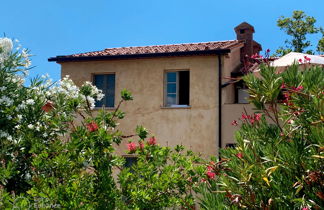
<point x="59" y="27"/>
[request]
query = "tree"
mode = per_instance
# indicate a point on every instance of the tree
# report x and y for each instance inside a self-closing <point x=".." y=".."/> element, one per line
<point x="298" y="27"/>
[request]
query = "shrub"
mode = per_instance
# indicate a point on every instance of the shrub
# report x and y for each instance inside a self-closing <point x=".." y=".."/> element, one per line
<point x="161" y="177"/>
<point x="278" y="162"/>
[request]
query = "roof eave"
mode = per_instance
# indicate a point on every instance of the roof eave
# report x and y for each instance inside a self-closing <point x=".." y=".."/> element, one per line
<point x="146" y="55"/>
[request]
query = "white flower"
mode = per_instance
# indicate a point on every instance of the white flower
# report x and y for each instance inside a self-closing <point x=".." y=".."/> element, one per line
<point x="17" y="126"/>
<point x="3" y="88"/>
<point x="6" y="101"/>
<point x="19" y="116"/>
<point x="3" y="134"/>
<point x="5" y="45"/>
<point x="30" y="102"/>
<point x="30" y="126"/>
<point x="21" y="106"/>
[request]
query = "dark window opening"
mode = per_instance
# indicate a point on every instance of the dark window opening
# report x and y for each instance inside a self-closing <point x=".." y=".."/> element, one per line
<point x="183" y="87"/>
<point x="177" y="88"/>
<point x="242" y="31"/>
<point x="130" y="161"/>
<point x="241" y="93"/>
<point x="230" y="145"/>
<point x="106" y="83"/>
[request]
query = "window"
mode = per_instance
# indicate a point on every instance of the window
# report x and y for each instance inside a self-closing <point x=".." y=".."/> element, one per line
<point x="106" y="83"/>
<point x="176" y="89"/>
<point x="130" y="161"/>
<point x="242" y="94"/>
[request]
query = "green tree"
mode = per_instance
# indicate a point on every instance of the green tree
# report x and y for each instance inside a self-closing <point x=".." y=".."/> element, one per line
<point x="298" y="27"/>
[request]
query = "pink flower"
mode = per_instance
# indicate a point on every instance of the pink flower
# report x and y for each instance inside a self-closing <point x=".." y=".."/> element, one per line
<point x="300" y="87"/>
<point x="210" y="175"/>
<point x="48" y="106"/>
<point x="305" y="208"/>
<point x="234" y="122"/>
<point x="252" y="121"/>
<point x="239" y="155"/>
<point x="268" y="50"/>
<point x="152" y="141"/>
<point x="244" y="116"/>
<point x="92" y="126"/>
<point x="300" y="60"/>
<point x="209" y="168"/>
<point x="283" y="86"/>
<point x="131" y="147"/>
<point x="141" y="145"/>
<point x="257" y="116"/>
<point x="307" y="58"/>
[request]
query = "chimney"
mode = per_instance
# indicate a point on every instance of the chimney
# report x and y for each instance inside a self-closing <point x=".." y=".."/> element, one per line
<point x="245" y="31"/>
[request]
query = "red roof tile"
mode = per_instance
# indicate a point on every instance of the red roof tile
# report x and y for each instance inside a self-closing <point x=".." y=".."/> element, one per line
<point x="157" y="49"/>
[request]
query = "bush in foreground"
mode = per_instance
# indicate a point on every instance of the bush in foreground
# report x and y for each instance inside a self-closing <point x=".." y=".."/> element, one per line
<point x="278" y="163"/>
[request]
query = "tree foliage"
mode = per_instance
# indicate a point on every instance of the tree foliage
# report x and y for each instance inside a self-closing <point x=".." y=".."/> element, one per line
<point x="278" y="162"/>
<point x="298" y="27"/>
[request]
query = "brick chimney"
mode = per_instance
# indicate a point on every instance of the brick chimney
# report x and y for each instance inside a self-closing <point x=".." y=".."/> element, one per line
<point x="245" y="31"/>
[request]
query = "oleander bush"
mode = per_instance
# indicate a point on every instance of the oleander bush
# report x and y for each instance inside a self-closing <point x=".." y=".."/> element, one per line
<point x="278" y="162"/>
<point x="50" y="160"/>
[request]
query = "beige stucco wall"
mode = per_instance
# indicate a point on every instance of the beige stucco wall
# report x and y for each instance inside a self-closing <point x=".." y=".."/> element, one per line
<point x="232" y="112"/>
<point x="194" y="127"/>
<point x="231" y="63"/>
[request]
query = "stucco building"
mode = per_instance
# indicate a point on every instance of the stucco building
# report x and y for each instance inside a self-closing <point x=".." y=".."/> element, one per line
<point x="181" y="91"/>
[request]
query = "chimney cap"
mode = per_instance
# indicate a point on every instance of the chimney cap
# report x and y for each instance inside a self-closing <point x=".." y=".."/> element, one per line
<point x="244" y="25"/>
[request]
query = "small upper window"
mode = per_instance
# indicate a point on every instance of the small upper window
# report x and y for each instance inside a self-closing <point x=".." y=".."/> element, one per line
<point x="241" y="93"/>
<point x="106" y="83"/>
<point x="176" y="89"/>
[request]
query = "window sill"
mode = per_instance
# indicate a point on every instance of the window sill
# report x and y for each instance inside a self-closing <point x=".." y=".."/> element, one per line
<point x="105" y="108"/>
<point x="175" y="107"/>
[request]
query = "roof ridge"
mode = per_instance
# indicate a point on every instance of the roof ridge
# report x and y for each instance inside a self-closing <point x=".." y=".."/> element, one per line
<point x="129" y="47"/>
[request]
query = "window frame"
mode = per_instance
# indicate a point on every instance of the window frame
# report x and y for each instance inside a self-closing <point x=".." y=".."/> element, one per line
<point x="93" y="82"/>
<point x="165" y="88"/>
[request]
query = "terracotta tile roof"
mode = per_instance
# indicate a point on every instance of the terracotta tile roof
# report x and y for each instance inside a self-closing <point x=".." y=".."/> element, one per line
<point x="155" y="50"/>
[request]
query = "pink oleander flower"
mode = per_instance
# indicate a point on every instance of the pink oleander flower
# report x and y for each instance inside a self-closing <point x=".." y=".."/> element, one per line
<point x="151" y="141"/>
<point x="283" y="86"/>
<point x="300" y="60"/>
<point x="48" y="106"/>
<point x="300" y="87"/>
<point x="210" y="175"/>
<point x="257" y="116"/>
<point x="244" y="116"/>
<point x="141" y="145"/>
<point x="131" y="147"/>
<point x="307" y="58"/>
<point x="305" y="208"/>
<point x="252" y="121"/>
<point x="239" y="155"/>
<point x="234" y="123"/>
<point x="268" y="50"/>
<point x="209" y="168"/>
<point x="92" y="126"/>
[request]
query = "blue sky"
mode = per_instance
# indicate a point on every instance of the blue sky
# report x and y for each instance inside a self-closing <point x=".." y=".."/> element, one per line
<point x="59" y="27"/>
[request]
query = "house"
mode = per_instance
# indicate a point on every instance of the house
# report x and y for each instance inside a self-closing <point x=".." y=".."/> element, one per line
<point x="180" y="90"/>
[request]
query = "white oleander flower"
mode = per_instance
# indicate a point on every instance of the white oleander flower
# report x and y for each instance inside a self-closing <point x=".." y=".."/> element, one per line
<point x="5" y="45"/>
<point x="30" y="126"/>
<point x="3" y="88"/>
<point x="6" y="100"/>
<point x="30" y="102"/>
